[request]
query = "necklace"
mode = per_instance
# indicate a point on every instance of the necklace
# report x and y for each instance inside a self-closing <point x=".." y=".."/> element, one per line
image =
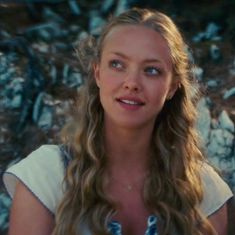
<point x="129" y="186"/>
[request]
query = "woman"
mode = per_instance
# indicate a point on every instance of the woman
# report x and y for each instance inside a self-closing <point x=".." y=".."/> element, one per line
<point x="133" y="163"/>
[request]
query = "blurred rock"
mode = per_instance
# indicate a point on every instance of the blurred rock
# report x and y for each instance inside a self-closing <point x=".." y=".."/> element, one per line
<point x="49" y="15"/>
<point x="190" y="55"/>
<point x="212" y="83"/>
<point x="4" y="34"/>
<point x="122" y="5"/>
<point x="75" y="9"/>
<point x="37" y="107"/>
<point x="46" y="32"/>
<point x="96" y="22"/>
<point x="226" y="165"/>
<point x="71" y="78"/>
<point x="211" y="33"/>
<point x="45" y="119"/>
<point x="5" y="203"/>
<point x="4" y="131"/>
<point x="107" y="4"/>
<point x="12" y="86"/>
<point x="41" y="47"/>
<point x="229" y="93"/>
<point x="225" y="122"/>
<point x="74" y="28"/>
<point x="220" y="143"/>
<point x="232" y="68"/>
<point x="198" y="37"/>
<point x="7" y="69"/>
<point x="60" y="46"/>
<point x="204" y="120"/>
<point x="198" y="73"/>
<point x="215" y="53"/>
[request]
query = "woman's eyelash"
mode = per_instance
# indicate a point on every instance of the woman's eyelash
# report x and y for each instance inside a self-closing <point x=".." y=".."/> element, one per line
<point x="119" y="65"/>
<point x="151" y="70"/>
<point x="116" y="64"/>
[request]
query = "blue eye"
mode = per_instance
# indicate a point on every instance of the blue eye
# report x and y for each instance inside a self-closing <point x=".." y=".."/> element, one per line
<point x="116" y="64"/>
<point x="152" y="71"/>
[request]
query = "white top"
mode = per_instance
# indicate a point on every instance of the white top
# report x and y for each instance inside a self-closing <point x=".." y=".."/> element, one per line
<point x="43" y="172"/>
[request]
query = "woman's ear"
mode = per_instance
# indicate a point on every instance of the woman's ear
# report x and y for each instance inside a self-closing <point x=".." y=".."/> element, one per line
<point x="174" y="87"/>
<point x="96" y="69"/>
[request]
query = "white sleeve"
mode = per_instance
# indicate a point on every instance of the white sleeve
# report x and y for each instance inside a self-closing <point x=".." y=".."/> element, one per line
<point x="215" y="191"/>
<point x="42" y="172"/>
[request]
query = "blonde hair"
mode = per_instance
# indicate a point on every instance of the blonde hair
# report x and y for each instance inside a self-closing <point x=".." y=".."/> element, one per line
<point x="173" y="190"/>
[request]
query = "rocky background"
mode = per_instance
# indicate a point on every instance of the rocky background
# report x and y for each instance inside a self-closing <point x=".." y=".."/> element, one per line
<point x="39" y="76"/>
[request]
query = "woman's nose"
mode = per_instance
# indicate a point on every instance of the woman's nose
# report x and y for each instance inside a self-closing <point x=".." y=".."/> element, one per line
<point x="132" y="81"/>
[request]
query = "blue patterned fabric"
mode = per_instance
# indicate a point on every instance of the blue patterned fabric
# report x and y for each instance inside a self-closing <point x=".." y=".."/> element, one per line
<point x="152" y="226"/>
<point x="116" y="229"/>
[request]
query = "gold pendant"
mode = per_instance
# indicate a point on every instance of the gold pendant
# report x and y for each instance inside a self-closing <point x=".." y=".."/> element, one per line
<point x="129" y="187"/>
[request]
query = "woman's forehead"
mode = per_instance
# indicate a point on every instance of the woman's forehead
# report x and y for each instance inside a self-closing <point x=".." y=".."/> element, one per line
<point x="136" y="39"/>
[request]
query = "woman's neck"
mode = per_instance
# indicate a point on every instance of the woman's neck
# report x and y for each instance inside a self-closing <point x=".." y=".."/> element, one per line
<point x="126" y="149"/>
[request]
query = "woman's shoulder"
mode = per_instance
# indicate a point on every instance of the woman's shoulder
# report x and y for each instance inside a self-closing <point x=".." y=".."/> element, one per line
<point x="45" y="159"/>
<point x="42" y="172"/>
<point x="216" y="191"/>
<point x="45" y="152"/>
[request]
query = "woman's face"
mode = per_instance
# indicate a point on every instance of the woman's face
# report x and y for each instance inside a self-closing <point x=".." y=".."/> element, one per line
<point x="134" y="76"/>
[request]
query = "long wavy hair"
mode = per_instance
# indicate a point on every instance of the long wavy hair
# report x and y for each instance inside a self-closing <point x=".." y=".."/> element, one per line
<point x="173" y="189"/>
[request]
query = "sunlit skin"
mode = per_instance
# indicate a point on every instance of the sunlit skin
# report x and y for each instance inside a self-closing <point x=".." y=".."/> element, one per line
<point x="134" y="76"/>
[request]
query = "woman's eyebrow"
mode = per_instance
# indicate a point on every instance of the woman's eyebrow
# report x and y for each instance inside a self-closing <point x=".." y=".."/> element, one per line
<point x="119" y="54"/>
<point x="148" y="60"/>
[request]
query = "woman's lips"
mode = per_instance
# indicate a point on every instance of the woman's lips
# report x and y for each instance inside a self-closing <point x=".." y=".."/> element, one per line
<point x="130" y="103"/>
